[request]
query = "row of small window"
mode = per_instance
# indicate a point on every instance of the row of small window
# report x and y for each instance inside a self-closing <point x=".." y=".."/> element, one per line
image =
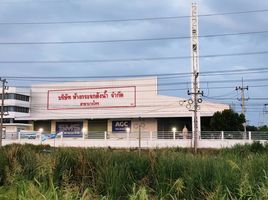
<point x="16" y="96"/>
<point x="16" y="109"/>
<point x="11" y="120"/>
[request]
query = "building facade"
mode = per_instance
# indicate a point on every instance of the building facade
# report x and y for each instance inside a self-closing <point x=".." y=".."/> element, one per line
<point x="16" y="105"/>
<point x="113" y="106"/>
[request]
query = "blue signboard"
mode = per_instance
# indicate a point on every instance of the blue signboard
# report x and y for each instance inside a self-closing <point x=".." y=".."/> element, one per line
<point x="70" y="129"/>
<point x="121" y="126"/>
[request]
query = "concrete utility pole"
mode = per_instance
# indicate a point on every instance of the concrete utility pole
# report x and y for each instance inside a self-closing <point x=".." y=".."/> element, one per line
<point x="196" y="116"/>
<point x="265" y="108"/>
<point x="139" y="136"/>
<point x="243" y="99"/>
<point x="195" y="92"/>
<point x="2" y="108"/>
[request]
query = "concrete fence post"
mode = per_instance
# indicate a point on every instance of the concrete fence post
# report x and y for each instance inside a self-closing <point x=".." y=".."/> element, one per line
<point x="174" y="135"/>
<point x="40" y="137"/>
<point x="105" y="135"/>
<point x="19" y="136"/>
<point x="249" y="136"/>
<point x="222" y="135"/>
<point x="83" y="135"/>
<point x="127" y="135"/>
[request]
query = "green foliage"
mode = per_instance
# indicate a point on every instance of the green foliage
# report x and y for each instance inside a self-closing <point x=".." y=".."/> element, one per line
<point x="252" y="128"/>
<point x="227" y="120"/>
<point x="28" y="172"/>
<point x="140" y="194"/>
<point x="257" y="147"/>
<point x="263" y="128"/>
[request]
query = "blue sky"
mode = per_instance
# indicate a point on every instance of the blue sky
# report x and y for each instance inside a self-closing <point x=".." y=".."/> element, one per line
<point x="75" y="10"/>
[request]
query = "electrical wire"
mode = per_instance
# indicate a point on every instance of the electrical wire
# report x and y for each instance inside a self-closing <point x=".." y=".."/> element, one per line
<point x="158" y="75"/>
<point x="34" y="1"/>
<point x="128" y="59"/>
<point x="132" y="19"/>
<point x="129" y="40"/>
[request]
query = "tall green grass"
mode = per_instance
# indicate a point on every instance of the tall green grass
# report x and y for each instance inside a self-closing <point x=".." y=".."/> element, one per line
<point x="42" y="172"/>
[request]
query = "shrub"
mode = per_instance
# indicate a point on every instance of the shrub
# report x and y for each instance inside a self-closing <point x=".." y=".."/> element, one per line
<point x="74" y="173"/>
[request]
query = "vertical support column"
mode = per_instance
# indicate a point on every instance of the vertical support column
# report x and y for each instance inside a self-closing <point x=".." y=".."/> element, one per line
<point x="83" y="133"/>
<point x="32" y="126"/>
<point x="85" y="128"/>
<point x="199" y="125"/>
<point x="192" y="128"/>
<point x="174" y="134"/>
<point x="222" y="135"/>
<point x="40" y="133"/>
<point x="150" y="139"/>
<point x="139" y="136"/>
<point x="128" y="135"/>
<point x="105" y="135"/>
<point x="195" y="86"/>
<point x="2" y="108"/>
<point x="194" y="45"/>
<point x="249" y="136"/>
<point x="53" y="126"/>
<point x="151" y="136"/>
<point x="243" y="99"/>
<point x="19" y="136"/>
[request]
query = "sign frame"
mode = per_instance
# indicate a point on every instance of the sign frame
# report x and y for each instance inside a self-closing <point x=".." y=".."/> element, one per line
<point x="86" y="107"/>
<point x="70" y="134"/>
<point x="121" y="129"/>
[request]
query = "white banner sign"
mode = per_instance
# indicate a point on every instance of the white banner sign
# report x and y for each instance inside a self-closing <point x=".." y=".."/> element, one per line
<point x="108" y="97"/>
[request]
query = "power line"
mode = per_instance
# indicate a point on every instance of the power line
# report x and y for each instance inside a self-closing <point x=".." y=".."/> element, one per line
<point x="131" y="19"/>
<point x="128" y="40"/>
<point x="128" y="59"/>
<point x="220" y="72"/>
<point x="158" y="75"/>
<point x="144" y="86"/>
<point x="254" y="98"/>
<point x="169" y="83"/>
<point x="144" y="90"/>
<point x="147" y="90"/>
<point x="32" y="1"/>
<point x="222" y="95"/>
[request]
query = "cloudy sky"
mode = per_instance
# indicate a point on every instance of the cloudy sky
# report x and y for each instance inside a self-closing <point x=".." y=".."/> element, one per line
<point x="217" y="87"/>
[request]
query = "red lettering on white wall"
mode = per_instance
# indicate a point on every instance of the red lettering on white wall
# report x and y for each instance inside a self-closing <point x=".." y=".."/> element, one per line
<point x="107" y="97"/>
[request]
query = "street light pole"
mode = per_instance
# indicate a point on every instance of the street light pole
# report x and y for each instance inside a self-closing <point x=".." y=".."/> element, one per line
<point x="139" y="136"/>
<point x="243" y="99"/>
<point x="2" y="109"/>
<point x="195" y="92"/>
<point x="195" y="95"/>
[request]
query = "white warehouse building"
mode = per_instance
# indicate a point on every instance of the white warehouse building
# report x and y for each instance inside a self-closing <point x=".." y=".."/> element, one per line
<point x="112" y="106"/>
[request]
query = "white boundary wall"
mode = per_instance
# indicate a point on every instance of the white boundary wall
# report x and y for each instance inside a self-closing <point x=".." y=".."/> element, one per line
<point x="216" y="139"/>
<point x="186" y="143"/>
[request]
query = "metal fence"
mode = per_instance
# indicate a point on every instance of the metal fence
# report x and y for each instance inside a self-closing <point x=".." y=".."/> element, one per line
<point x="144" y="135"/>
<point x="144" y="139"/>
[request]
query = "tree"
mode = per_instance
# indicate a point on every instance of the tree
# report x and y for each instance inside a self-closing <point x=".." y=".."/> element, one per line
<point x="252" y="128"/>
<point x="227" y="120"/>
<point x="263" y="128"/>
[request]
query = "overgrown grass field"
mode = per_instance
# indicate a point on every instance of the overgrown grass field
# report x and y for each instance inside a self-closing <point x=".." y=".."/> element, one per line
<point x="42" y="172"/>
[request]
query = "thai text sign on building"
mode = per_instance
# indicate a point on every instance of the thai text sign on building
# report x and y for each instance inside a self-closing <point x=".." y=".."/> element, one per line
<point x="108" y="97"/>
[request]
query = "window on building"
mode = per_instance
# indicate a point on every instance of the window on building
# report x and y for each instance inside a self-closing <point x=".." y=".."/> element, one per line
<point x="6" y="120"/>
<point x="20" y="97"/>
<point x="16" y="109"/>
